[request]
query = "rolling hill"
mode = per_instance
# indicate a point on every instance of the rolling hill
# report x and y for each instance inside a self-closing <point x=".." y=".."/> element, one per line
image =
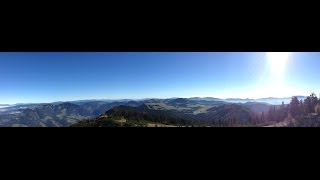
<point x="46" y="116"/>
<point x="55" y="114"/>
<point x="147" y="115"/>
<point x="177" y="112"/>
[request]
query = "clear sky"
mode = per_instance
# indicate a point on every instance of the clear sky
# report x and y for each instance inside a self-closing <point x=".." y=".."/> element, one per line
<point x="48" y="77"/>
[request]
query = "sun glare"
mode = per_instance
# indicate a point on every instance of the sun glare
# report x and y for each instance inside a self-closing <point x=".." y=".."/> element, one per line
<point x="274" y="83"/>
<point x="277" y="62"/>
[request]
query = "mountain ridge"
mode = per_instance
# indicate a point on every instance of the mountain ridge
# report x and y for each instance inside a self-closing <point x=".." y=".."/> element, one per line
<point x="144" y="99"/>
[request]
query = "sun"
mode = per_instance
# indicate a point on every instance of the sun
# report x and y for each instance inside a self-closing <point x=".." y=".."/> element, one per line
<point x="276" y="84"/>
<point x="277" y="61"/>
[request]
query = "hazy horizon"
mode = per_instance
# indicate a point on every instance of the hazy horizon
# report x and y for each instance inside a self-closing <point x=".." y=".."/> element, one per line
<point x="40" y="77"/>
<point x="97" y="99"/>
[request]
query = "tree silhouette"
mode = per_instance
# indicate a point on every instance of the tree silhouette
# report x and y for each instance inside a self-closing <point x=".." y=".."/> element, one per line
<point x="309" y="103"/>
<point x="314" y="101"/>
<point x="301" y="107"/>
<point x="294" y="107"/>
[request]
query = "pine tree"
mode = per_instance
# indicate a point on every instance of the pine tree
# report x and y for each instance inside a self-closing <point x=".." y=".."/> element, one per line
<point x="271" y="114"/>
<point x="301" y="108"/>
<point x="282" y="112"/>
<point x="294" y="107"/>
<point x="314" y="101"/>
<point x="307" y="105"/>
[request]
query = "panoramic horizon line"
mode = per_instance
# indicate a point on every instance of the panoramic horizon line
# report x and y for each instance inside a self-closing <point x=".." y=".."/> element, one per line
<point x="117" y="99"/>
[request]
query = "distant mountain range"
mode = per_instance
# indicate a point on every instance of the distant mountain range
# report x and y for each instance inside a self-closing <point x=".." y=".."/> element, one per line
<point x="55" y="114"/>
<point x="270" y="100"/>
<point x="207" y="110"/>
<point x="4" y="105"/>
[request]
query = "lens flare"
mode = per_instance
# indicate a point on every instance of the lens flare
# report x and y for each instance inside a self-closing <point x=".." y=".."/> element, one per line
<point x="277" y="62"/>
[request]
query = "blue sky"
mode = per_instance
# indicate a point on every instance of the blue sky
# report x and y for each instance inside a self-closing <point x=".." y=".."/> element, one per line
<point x="48" y="77"/>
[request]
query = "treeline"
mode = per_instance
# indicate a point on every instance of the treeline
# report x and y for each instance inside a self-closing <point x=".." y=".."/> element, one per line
<point x="135" y="117"/>
<point x="226" y="116"/>
<point x="229" y="115"/>
<point x="310" y="105"/>
<point x="295" y="109"/>
<point x="141" y="116"/>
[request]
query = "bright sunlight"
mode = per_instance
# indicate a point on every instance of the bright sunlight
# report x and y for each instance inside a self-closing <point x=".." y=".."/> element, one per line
<point x="277" y="62"/>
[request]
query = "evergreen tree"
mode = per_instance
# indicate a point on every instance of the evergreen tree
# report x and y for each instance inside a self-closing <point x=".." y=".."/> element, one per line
<point x="282" y="114"/>
<point x="307" y="105"/>
<point x="301" y="109"/>
<point x="314" y="101"/>
<point x="294" y="107"/>
<point x="271" y="114"/>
